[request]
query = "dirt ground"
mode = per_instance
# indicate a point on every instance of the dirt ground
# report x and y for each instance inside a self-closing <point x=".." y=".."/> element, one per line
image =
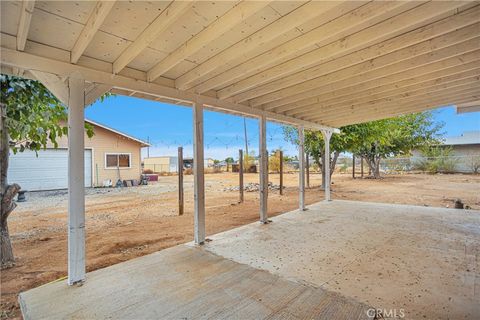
<point x="122" y="224"/>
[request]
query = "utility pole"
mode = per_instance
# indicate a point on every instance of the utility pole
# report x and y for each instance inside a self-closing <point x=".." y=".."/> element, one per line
<point x="240" y="173"/>
<point x="246" y="138"/>
<point x="148" y="148"/>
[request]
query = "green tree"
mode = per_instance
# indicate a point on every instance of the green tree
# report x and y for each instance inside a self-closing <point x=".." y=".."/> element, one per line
<point x="31" y="117"/>
<point x="229" y="160"/>
<point x="392" y="137"/>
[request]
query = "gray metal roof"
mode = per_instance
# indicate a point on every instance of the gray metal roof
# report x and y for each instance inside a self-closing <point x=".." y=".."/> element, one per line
<point x="468" y="137"/>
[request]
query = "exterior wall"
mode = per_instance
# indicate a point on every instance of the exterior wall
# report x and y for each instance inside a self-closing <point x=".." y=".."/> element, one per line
<point x="105" y="141"/>
<point x="161" y="164"/>
<point x="463" y="155"/>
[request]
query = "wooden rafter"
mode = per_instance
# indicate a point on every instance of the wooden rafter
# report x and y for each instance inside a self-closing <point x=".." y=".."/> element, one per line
<point x="234" y="16"/>
<point x="447" y="83"/>
<point x="264" y="93"/>
<point x="32" y="62"/>
<point x="390" y="28"/>
<point x="374" y="69"/>
<point x="400" y="103"/>
<point x="24" y="24"/>
<point x="364" y="16"/>
<point x="244" y="49"/>
<point x="164" y="20"/>
<point x="348" y="96"/>
<point x="94" y="22"/>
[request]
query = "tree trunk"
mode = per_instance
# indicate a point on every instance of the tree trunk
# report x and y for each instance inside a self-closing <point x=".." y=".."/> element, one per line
<point x="373" y="166"/>
<point x="7" y="193"/>
<point x="333" y="163"/>
<point x="323" y="171"/>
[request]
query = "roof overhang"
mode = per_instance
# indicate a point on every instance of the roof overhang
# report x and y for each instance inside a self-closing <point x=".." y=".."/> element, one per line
<point x="468" y="107"/>
<point x="351" y="62"/>
<point x="141" y="142"/>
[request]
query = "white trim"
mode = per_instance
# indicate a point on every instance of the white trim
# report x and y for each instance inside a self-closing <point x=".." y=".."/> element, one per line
<point x="117" y="154"/>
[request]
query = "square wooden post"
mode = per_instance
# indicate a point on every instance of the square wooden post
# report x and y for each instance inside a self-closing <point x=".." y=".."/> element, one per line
<point x="198" y="175"/>
<point x="76" y="181"/>
<point x="307" y="169"/>
<point x="180" y="181"/>
<point x="280" y="154"/>
<point x="301" y="168"/>
<point x="240" y="174"/>
<point x="326" y="136"/>
<point x="263" y="170"/>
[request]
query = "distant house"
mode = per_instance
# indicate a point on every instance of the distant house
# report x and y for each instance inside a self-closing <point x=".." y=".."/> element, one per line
<point x="465" y="150"/>
<point x="170" y="163"/>
<point x="109" y="155"/>
<point x="161" y="164"/>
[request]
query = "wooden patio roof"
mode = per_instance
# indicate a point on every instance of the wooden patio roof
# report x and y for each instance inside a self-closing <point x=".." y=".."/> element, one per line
<point x="313" y="63"/>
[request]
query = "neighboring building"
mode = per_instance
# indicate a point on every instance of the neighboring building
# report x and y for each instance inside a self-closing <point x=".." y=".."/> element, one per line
<point x="109" y="155"/>
<point x="170" y="163"/>
<point x="161" y="164"/>
<point x="465" y="150"/>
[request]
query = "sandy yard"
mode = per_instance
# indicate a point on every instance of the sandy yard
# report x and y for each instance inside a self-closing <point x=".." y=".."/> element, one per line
<point x="125" y="223"/>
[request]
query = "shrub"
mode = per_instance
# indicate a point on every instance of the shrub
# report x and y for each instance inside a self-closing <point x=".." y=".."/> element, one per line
<point x="436" y="159"/>
<point x="475" y="163"/>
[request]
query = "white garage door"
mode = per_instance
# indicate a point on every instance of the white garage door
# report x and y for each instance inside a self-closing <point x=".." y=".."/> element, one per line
<point x="48" y="171"/>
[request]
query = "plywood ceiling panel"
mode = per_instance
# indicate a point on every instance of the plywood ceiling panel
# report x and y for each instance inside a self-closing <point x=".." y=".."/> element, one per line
<point x="193" y="21"/>
<point x="9" y="16"/>
<point x="77" y="11"/>
<point x="54" y="30"/>
<point x="234" y="35"/>
<point x="128" y="19"/>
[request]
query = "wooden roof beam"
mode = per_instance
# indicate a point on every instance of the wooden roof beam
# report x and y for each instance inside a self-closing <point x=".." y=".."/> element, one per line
<point x="237" y="14"/>
<point x="407" y="109"/>
<point x="441" y="93"/>
<point x="429" y="86"/>
<point x="98" y="90"/>
<point x="94" y="22"/>
<point x="473" y="106"/>
<point x="14" y="58"/>
<point x="240" y="51"/>
<point x="24" y="23"/>
<point x="418" y="106"/>
<point x="321" y="87"/>
<point x="164" y="20"/>
<point x="392" y="27"/>
<point x="261" y="94"/>
<point x="54" y="84"/>
<point x="436" y="76"/>
<point x="362" y="17"/>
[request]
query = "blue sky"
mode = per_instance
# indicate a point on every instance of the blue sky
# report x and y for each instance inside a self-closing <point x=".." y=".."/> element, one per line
<point x="169" y="126"/>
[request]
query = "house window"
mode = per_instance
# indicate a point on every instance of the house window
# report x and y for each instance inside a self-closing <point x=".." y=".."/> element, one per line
<point x="114" y="160"/>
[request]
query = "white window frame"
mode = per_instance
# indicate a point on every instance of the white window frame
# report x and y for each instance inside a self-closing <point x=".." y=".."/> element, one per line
<point x="118" y="154"/>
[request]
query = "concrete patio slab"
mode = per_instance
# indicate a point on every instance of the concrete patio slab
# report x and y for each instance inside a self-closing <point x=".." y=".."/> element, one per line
<point x="332" y="261"/>
<point x="186" y="283"/>
<point x="419" y="261"/>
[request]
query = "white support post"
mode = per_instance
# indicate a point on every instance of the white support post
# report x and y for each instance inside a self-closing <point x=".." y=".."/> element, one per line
<point x="301" y="168"/>
<point x="198" y="175"/>
<point x="326" y="137"/>
<point x="263" y="170"/>
<point x="76" y="181"/>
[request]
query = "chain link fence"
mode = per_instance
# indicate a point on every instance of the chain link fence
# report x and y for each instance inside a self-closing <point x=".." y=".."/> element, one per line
<point x="441" y="164"/>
